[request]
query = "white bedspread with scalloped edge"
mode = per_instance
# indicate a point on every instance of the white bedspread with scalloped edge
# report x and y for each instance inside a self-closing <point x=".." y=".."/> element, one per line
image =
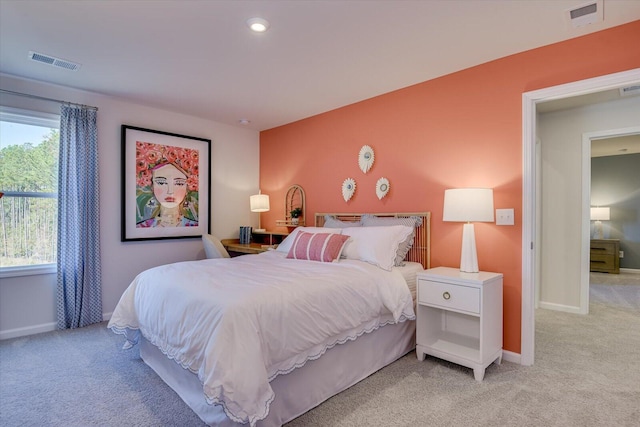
<point x="239" y="322"/>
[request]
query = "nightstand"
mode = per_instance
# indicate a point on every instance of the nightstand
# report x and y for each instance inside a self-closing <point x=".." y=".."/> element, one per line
<point x="459" y="317"/>
<point x="604" y="256"/>
<point x="261" y="241"/>
<point x="235" y="248"/>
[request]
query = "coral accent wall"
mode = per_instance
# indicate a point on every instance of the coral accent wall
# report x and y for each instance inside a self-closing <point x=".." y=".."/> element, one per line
<point x="460" y="130"/>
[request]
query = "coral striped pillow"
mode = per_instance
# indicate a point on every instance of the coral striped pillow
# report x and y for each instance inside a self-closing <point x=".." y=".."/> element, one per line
<point x="323" y="247"/>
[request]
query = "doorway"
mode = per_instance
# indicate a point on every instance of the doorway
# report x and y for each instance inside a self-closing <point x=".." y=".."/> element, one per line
<point x="601" y="140"/>
<point x="531" y="219"/>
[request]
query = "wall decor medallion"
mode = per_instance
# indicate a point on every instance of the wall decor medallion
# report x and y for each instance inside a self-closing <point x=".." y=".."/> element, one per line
<point x="366" y="158"/>
<point x="348" y="188"/>
<point x="382" y="187"/>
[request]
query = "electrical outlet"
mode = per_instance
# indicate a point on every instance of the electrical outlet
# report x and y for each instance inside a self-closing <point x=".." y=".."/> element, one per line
<point x="504" y="217"/>
<point x="621" y="254"/>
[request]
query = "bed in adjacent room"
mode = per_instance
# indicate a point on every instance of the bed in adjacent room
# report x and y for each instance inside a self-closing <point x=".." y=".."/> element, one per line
<point x="261" y="339"/>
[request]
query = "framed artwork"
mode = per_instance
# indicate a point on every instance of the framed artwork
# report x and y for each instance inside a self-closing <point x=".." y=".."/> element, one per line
<point x="166" y="185"/>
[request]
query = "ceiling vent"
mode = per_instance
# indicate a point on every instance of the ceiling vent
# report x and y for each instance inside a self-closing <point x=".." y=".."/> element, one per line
<point x="585" y="14"/>
<point x="51" y="60"/>
<point x="630" y="90"/>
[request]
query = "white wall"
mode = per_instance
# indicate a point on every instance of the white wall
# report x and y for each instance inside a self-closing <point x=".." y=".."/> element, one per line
<point x="561" y="204"/>
<point x="27" y="304"/>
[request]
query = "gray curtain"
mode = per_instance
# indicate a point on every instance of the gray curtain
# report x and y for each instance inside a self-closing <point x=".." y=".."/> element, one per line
<point x="79" y="288"/>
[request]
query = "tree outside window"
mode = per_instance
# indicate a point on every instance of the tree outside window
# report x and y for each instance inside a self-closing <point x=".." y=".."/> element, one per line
<point x="29" y="144"/>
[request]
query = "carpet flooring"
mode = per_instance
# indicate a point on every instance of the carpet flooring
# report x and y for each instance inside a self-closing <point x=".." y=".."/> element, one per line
<point x="587" y="373"/>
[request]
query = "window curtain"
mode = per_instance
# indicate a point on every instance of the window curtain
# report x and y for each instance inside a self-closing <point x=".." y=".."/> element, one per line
<point x="79" y="288"/>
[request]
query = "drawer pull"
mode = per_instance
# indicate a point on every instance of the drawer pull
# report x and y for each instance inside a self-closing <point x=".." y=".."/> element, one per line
<point x="446" y="295"/>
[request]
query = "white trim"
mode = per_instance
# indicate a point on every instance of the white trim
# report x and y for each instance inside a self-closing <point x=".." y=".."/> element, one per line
<point x="630" y="270"/>
<point x="509" y="356"/>
<point x="529" y="190"/>
<point x="561" y="307"/>
<point x="29" y="117"/>
<point x="585" y="245"/>
<point x="38" y="329"/>
<point x="28" y="330"/>
<point x="27" y="270"/>
<point x="528" y="229"/>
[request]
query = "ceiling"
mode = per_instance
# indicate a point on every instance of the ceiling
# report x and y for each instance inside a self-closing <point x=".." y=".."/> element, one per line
<point x="617" y="146"/>
<point x="199" y="58"/>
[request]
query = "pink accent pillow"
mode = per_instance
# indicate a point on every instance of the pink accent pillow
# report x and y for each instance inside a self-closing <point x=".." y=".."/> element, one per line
<point x="323" y="247"/>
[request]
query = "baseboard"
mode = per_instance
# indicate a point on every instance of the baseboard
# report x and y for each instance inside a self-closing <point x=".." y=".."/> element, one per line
<point x="38" y="329"/>
<point x="560" y="307"/>
<point x="28" y="330"/>
<point x="509" y="356"/>
<point x="630" y="270"/>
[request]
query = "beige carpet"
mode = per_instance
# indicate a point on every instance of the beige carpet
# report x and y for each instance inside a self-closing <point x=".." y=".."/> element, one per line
<point x="587" y="373"/>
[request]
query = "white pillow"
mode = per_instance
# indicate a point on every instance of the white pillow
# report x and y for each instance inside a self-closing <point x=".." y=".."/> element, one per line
<point x="332" y="222"/>
<point x="375" y="245"/>
<point x="403" y="249"/>
<point x="286" y="244"/>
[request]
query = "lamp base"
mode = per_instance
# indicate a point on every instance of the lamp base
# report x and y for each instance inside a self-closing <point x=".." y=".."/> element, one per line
<point x="469" y="256"/>
<point x="597" y="230"/>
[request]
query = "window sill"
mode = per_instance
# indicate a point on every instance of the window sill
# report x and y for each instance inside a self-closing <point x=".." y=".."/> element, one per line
<point x="27" y="270"/>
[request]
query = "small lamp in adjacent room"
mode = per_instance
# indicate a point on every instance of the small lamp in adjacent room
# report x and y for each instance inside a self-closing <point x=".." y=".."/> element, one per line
<point x="598" y="215"/>
<point x="468" y="205"/>
<point x="259" y="203"/>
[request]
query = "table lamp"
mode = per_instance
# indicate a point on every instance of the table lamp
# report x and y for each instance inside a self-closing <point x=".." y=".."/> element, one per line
<point x="259" y="203"/>
<point x="468" y="205"/>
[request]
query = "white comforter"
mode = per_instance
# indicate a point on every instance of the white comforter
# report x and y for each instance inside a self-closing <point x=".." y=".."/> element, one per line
<point x="238" y="323"/>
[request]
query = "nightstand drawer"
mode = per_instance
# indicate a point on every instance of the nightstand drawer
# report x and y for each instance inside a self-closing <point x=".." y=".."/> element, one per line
<point x="454" y="297"/>
<point x="603" y="248"/>
<point x="601" y="261"/>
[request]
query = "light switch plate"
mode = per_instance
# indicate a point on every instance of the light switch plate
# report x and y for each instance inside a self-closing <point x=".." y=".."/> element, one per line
<point x="504" y="217"/>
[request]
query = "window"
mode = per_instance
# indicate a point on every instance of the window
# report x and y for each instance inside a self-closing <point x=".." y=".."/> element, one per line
<point x="29" y="144"/>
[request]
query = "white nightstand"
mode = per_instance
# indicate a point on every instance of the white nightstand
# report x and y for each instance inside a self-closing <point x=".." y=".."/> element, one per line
<point x="459" y="317"/>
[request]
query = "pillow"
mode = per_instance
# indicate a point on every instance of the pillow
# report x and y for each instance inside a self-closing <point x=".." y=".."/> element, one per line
<point x="332" y="222"/>
<point x="213" y="247"/>
<point x="323" y="247"/>
<point x="375" y="245"/>
<point x="286" y="244"/>
<point x="403" y="249"/>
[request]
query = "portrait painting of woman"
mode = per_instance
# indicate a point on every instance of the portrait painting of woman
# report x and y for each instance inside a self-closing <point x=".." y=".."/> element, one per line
<point x="166" y="186"/>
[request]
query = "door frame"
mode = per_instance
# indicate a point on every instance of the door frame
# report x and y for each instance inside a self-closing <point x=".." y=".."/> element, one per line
<point x="530" y="188"/>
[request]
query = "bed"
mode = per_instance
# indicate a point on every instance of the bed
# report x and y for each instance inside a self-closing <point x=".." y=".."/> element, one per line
<point x="262" y="339"/>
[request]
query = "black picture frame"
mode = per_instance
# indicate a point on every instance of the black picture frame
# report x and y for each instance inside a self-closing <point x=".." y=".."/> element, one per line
<point x="156" y="166"/>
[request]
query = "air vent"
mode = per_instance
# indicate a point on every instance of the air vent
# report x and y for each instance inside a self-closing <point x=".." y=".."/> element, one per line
<point x="585" y="14"/>
<point x="56" y="62"/>
<point x="630" y="90"/>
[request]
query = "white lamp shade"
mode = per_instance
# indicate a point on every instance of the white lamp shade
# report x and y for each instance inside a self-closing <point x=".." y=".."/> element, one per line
<point x="468" y="205"/>
<point x="600" y="214"/>
<point x="259" y="203"/>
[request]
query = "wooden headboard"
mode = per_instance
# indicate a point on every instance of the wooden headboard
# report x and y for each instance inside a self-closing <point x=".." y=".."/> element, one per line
<point x="421" y="249"/>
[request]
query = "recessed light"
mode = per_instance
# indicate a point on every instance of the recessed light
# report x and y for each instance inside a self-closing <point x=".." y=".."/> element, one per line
<point x="244" y="121"/>
<point x="258" y="25"/>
